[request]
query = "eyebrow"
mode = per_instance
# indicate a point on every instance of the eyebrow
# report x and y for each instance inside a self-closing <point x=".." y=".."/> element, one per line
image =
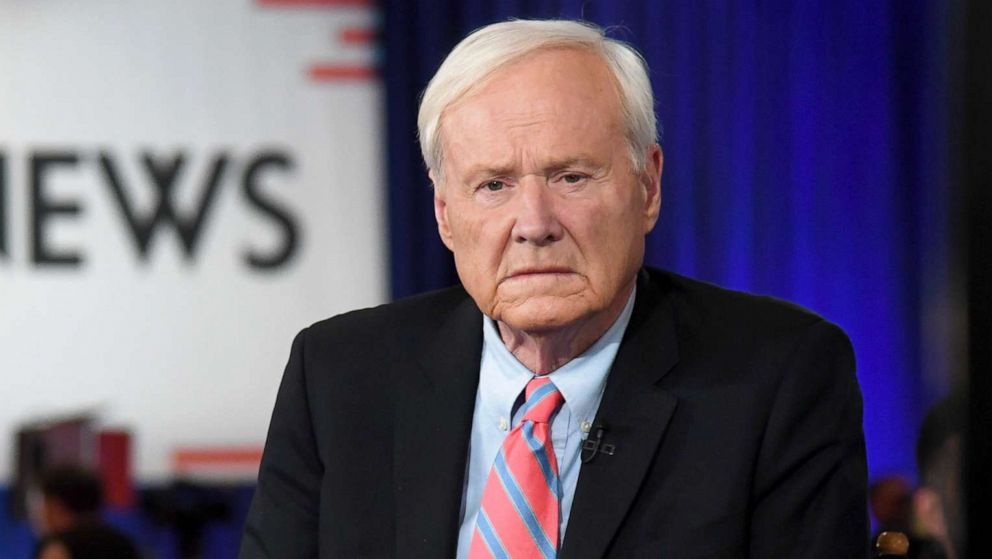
<point x="572" y="162"/>
<point x="482" y="171"/>
<point x="550" y="167"/>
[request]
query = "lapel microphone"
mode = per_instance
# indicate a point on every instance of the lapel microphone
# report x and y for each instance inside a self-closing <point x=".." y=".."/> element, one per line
<point x="593" y="446"/>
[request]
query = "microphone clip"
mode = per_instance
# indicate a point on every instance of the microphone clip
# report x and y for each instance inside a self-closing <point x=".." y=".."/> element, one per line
<point x="593" y="446"/>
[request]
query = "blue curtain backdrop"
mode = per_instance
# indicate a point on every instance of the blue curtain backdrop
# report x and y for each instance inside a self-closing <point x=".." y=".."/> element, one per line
<point x="804" y="158"/>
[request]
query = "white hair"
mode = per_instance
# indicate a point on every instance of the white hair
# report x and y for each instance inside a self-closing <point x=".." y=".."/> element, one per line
<point x="491" y="47"/>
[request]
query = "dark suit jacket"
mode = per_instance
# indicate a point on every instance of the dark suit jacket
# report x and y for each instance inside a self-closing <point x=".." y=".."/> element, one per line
<point x="736" y="421"/>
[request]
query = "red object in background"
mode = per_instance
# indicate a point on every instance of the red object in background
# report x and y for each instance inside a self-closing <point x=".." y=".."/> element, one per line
<point x="341" y="72"/>
<point x="357" y="36"/>
<point x="226" y="463"/>
<point x="186" y="459"/>
<point x="114" y="466"/>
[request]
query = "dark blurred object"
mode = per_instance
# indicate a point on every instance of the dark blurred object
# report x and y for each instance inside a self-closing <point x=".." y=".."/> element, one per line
<point x="73" y="440"/>
<point x="891" y="502"/>
<point x="69" y="521"/>
<point x="87" y="541"/>
<point x="70" y="495"/>
<point x="892" y="544"/>
<point x="43" y="444"/>
<point x="973" y="107"/>
<point x="938" y="502"/>
<point x="189" y="508"/>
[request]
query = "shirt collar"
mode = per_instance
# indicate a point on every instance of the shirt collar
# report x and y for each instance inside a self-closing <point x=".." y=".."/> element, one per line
<point x="581" y="381"/>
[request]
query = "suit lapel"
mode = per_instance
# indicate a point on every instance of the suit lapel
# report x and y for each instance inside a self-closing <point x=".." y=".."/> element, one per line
<point x="434" y="406"/>
<point x="636" y="413"/>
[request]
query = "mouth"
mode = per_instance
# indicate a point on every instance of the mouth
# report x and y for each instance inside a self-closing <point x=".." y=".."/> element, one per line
<point x="537" y="272"/>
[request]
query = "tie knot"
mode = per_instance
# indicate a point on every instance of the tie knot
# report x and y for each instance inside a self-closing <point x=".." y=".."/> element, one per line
<point x="542" y="400"/>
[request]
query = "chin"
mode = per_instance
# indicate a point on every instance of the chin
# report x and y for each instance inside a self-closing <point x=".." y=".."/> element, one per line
<point x="545" y="314"/>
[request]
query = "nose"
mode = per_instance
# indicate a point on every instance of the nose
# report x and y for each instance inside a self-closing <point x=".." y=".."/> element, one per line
<point x="536" y="220"/>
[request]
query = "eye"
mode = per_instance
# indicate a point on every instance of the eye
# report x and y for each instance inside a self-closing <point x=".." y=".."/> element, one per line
<point x="572" y="178"/>
<point x="494" y="185"/>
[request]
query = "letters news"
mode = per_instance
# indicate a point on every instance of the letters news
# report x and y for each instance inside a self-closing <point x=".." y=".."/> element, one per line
<point x="162" y="174"/>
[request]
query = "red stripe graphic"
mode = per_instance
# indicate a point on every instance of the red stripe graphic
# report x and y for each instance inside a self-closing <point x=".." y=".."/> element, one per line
<point x="341" y="72"/>
<point x="186" y="457"/>
<point x="356" y="36"/>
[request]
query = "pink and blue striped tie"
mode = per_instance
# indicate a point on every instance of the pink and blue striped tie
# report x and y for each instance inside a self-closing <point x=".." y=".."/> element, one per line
<point x="519" y="515"/>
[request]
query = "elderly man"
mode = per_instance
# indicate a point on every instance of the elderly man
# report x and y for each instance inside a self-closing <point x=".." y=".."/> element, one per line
<point x="564" y="401"/>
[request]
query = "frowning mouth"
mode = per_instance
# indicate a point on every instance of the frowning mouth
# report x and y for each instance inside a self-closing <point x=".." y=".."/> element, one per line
<point x="526" y="273"/>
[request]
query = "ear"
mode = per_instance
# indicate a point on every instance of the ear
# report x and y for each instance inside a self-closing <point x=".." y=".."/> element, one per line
<point x="654" y="159"/>
<point x="441" y="212"/>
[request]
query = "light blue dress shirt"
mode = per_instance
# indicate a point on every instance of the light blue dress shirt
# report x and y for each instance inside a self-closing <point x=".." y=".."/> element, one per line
<point x="501" y="384"/>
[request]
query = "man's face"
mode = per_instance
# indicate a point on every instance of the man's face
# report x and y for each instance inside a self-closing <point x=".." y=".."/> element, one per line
<point x="539" y="201"/>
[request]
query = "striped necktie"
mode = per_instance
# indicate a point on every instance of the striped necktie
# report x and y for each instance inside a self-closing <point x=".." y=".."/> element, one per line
<point x="518" y="517"/>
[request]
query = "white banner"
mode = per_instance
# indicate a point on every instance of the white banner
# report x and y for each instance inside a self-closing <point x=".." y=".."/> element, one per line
<point x="183" y="186"/>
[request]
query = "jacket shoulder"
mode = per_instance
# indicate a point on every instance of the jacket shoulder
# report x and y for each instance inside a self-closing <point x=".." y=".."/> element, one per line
<point x="407" y="320"/>
<point x="710" y="316"/>
<point x="707" y="299"/>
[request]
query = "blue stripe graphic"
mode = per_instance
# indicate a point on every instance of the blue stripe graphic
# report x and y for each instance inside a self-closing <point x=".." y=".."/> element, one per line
<point x="523" y="508"/>
<point x="541" y="455"/>
<point x="489" y="536"/>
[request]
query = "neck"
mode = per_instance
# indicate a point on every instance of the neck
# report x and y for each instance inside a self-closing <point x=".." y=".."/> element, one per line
<point x="545" y="351"/>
